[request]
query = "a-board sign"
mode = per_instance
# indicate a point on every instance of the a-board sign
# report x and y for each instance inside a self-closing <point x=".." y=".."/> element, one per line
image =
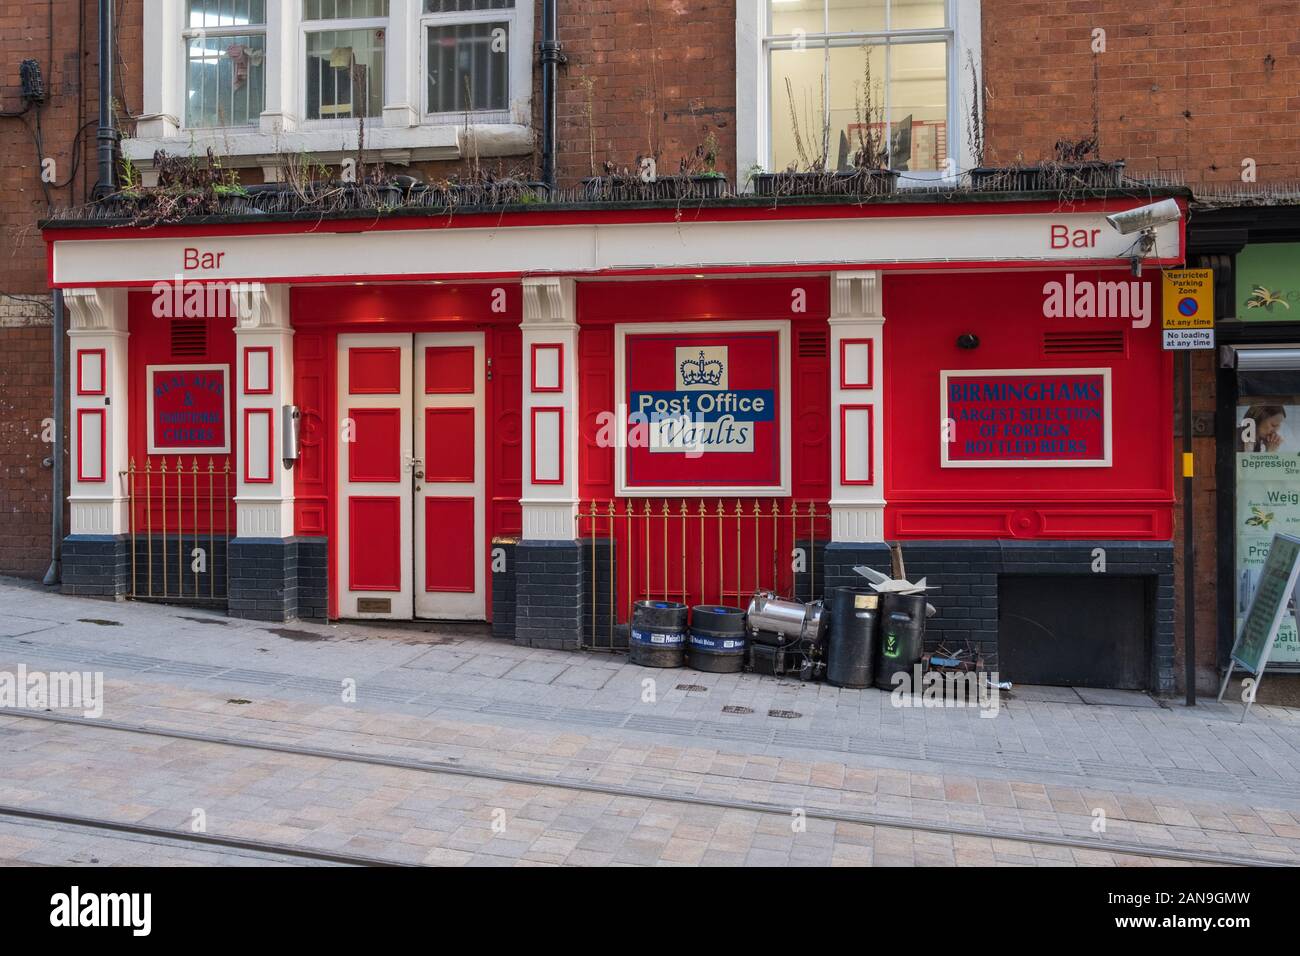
<point x="1276" y="585"/>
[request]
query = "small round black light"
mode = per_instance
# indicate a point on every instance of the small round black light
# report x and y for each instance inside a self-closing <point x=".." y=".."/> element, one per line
<point x="968" y="340"/>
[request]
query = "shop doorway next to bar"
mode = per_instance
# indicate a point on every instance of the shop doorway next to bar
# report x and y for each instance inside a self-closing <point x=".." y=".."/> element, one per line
<point x="411" y="476"/>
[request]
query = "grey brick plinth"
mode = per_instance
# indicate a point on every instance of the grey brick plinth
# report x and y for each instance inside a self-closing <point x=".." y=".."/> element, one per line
<point x="550" y="593"/>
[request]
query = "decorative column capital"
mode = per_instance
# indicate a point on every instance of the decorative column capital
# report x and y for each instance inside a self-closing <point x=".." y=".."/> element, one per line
<point x="96" y="310"/>
<point x="260" y="307"/>
<point x="855" y="294"/>
<point x="549" y="300"/>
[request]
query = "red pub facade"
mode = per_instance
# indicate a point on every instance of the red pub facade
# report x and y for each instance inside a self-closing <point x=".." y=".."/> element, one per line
<point x="535" y="416"/>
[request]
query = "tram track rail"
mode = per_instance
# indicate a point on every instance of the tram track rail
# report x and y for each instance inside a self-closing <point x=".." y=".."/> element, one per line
<point x="448" y="768"/>
<point x="284" y="852"/>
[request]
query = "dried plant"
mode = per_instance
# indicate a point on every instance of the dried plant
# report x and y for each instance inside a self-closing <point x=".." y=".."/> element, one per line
<point x="871" y="128"/>
<point x="975" y="118"/>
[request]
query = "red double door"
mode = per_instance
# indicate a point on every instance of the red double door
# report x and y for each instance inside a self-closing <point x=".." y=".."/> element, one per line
<point x="411" y="476"/>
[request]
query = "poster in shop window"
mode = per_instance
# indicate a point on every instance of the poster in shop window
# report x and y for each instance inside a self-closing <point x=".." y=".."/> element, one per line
<point x="188" y="409"/>
<point x="1025" y="418"/>
<point x="703" y="408"/>
<point x="1268" y="502"/>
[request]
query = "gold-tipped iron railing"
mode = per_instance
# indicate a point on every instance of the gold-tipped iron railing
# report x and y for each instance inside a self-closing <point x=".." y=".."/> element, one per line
<point x="182" y="507"/>
<point x="696" y="551"/>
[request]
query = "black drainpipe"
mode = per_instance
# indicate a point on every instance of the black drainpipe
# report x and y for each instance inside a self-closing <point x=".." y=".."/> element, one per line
<point x="551" y="59"/>
<point x="107" y="135"/>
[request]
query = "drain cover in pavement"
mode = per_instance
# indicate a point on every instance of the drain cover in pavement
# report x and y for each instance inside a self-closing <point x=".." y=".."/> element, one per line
<point x="784" y="714"/>
<point x="733" y="709"/>
<point x="692" y="688"/>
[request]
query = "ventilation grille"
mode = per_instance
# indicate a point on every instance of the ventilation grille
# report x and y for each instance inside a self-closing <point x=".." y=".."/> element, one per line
<point x="1098" y="341"/>
<point x="189" y="338"/>
<point x="813" y="344"/>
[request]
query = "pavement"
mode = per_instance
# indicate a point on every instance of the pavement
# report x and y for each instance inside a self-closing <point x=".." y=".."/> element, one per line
<point x="566" y="758"/>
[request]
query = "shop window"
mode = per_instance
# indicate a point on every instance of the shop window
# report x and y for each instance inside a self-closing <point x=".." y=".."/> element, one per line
<point x="1267" y="462"/>
<point x="225" y="58"/>
<point x="345" y="63"/>
<point x="467" y="63"/>
<point x="830" y="72"/>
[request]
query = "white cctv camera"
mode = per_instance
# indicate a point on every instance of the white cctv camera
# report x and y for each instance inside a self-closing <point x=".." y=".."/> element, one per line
<point x="1146" y="217"/>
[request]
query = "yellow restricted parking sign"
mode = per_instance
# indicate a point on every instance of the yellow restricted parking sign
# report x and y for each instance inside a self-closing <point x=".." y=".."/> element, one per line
<point x="1189" y="298"/>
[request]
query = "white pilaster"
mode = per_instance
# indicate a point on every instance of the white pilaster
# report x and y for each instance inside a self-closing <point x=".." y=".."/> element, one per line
<point x="264" y="384"/>
<point x="403" y="78"/>
<point x="857" y="408"/>
<point x="550" y="500"/>
<point x="97" y="330"/>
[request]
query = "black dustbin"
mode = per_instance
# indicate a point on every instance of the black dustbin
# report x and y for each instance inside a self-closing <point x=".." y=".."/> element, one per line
<point x="850" y="653"/>
<point x="902" y="630"/>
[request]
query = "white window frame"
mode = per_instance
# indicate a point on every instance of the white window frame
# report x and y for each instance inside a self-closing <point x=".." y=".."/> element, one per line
<point x="753" y="107"/>
<point x="188" y="33"/>
<point x="519" y="76"/>
<point x="403" y="134"/>
<point x="305" y="27"/>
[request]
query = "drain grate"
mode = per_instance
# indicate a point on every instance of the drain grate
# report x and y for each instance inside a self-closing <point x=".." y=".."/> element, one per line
<point x="736" y="709"/>
<point x="102" y="622"/>
<point x="693" y="688"/>
<point x="784" y="714"/>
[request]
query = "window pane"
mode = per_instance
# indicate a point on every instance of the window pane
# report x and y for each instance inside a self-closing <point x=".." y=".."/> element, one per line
<point x="460" y="6"/>
<point x="918" y="104"/>
<point x="788" y="16"/>
<point x="860" y="16"/>
<point x="916" y="14"/>
<point x="798" y="87"/>
<point x="855" y="117"/>
<point x="226" y="13"/>
<point x="468" y="67"/>
<point x="225" y="80"/>
<point x="343" y="9"/>
<point x="345" y="74"/>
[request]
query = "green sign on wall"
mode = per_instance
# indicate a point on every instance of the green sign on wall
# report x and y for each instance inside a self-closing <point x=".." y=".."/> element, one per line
<point x="1268" y="282"/>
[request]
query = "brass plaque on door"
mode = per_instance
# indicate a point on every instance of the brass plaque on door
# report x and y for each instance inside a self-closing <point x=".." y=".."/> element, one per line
<point x="374" y="605"/>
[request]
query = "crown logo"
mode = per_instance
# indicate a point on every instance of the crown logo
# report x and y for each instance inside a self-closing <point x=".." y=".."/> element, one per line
<point x="701" y="371"/>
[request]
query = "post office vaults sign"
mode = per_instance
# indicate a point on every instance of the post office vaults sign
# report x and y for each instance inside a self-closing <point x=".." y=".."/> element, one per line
<point x="703" y="410"/>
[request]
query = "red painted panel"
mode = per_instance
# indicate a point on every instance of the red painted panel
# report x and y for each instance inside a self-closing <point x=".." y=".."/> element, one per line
<point x="449" y="444"/>
<point x="270" y="370"/>
<point x="1132" y="498"/>
<point x="374" y="544"/>
<point x="150" y="344"/>
<point x="505" y="438"/>
<point x="844" y="350"/>
<point x="449" y="553"/>
<point x="374" y="371"/>
<point x="88" y="359"/>
<point x="810" y="442"/>
<point x="555" y="412"/>
<point x="92" y="421"/>
<point x="558" y="349"/>
<point x="449" y="370"/>
<point x="376" y="454"/>
<point x="704" y="299"/>
<point x="595" y="403"/>
<point x="844" y="444"/>
<point x="249" y="414"/>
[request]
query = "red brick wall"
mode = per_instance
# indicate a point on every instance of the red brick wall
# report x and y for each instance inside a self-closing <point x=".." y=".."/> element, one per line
<point x="26" y="399"/>
<point x="1193" y="87"/>
<point x="661" y="75"/>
